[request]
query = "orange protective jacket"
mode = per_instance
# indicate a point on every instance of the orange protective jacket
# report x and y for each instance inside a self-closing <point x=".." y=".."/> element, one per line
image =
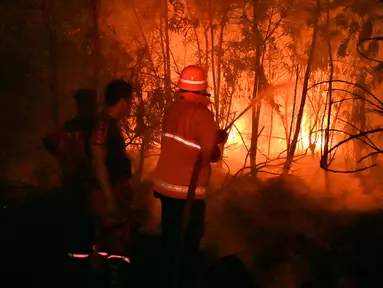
<point x="188" y="129"/>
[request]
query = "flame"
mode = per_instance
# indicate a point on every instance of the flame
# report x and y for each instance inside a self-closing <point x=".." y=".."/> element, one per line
<point x="239" y="138"/>
<point x="307" y="135"/>
<point x="240" y="132"/>
<point x="316" y="137"/>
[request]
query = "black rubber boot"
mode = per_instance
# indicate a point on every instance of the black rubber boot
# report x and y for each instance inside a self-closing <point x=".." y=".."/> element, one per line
<point x="119" y="273"/>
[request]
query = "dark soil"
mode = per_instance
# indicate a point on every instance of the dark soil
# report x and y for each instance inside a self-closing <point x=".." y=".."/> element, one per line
<point x="36" y="239"/>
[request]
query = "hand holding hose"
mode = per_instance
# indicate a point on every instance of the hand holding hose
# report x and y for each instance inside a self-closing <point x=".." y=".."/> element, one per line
<point x="222" y="136"/>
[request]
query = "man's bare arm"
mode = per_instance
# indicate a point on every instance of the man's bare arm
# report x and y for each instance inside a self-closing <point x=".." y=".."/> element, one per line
<point x="99" y="154"/>
<point x="101" y="169"/>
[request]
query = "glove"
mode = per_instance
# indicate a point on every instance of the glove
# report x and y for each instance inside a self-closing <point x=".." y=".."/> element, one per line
<point x="216" y="155"/>
<point x="222" y="136"/>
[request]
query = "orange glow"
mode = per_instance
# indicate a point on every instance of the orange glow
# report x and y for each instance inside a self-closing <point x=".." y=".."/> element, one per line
<point x="226" y="50"/>
<point x="235" y="150"/>
<point x="184" y="53"/>
<point x="239" y="139"/>
<point x="305" y="137"/>
<point x="241" y="129"/>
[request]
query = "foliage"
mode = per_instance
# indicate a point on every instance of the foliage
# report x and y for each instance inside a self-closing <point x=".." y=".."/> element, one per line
<point x="228" y="34"/>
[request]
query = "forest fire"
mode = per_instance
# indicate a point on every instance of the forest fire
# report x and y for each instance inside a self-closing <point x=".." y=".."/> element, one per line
<point x="240" y="132"/>
<point x="310" y="137"/>
<point x="294" y="199"/>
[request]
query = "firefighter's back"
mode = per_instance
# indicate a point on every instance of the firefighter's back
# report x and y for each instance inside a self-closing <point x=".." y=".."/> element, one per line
<point x="183" y="122"/>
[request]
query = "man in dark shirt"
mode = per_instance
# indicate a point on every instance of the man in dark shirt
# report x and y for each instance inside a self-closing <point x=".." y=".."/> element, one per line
<point x="111" y="197"/>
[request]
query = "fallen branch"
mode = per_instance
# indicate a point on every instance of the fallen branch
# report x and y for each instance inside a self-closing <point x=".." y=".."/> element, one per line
<point x="355" y="136"/>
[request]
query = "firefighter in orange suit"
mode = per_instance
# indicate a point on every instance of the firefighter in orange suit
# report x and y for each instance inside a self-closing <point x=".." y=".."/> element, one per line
<point x="111" y="196"/>
<point x="188" y="129"/>
<point x="71" y="146"/>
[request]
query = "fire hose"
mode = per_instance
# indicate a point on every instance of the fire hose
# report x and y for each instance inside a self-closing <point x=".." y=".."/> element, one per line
<point x="265" y="94"/>
<point x="198" y="164"/>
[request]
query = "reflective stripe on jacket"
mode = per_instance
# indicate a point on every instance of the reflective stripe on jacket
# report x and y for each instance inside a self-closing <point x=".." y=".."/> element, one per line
<point x="188" y="129"/>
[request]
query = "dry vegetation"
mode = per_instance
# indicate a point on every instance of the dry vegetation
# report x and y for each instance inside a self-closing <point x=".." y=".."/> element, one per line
<point x="307" y="227"/>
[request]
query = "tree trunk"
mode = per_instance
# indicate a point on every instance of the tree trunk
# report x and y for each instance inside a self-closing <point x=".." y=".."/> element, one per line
<point x="255" y="112"/>
<point x="259" y="83"/>
<point x="143" y="135"/>
<point x="286" y="121"/>
<point x="213" y="67"/>
<point x="271" y="132"/>
<point x="168" y="78"/>
<point x="325" y="160"/>
<point x="206" y="35"/>
<point x="216" y="64"/>
<point x="294" y="107"/>
<point x="163" y="49"/>
<point x="141" y="163"/>
<point x="291" y="152"/>
<point x="49" y="20"/>
<point x="217" y="93"/>
<point x="359" y="119"/>
<point x="195" y="34"/>
<point x="97" y="47"/>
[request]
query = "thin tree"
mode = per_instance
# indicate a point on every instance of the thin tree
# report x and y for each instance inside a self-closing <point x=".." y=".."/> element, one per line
<point x="167" y="70"/>
<point x="329" y="100"/>
<point x="50" y="24"/>
<point x="96" y="43"/>
<point x="292" y="148"/>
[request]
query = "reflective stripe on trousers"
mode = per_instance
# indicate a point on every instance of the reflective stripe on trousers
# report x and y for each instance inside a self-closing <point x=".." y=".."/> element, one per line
<point x="104" y="254"/>
<point x="177" y="188"/>
<point x="78" y="255"/>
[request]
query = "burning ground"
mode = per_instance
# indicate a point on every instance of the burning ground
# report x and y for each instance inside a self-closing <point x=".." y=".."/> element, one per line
<point x="309" y="229"/>
<point x="287" y="231"/>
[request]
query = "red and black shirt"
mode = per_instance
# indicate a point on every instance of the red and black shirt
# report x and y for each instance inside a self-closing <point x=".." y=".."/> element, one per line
<point x="71" y="145"/>
<point x="107" y="133"/>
